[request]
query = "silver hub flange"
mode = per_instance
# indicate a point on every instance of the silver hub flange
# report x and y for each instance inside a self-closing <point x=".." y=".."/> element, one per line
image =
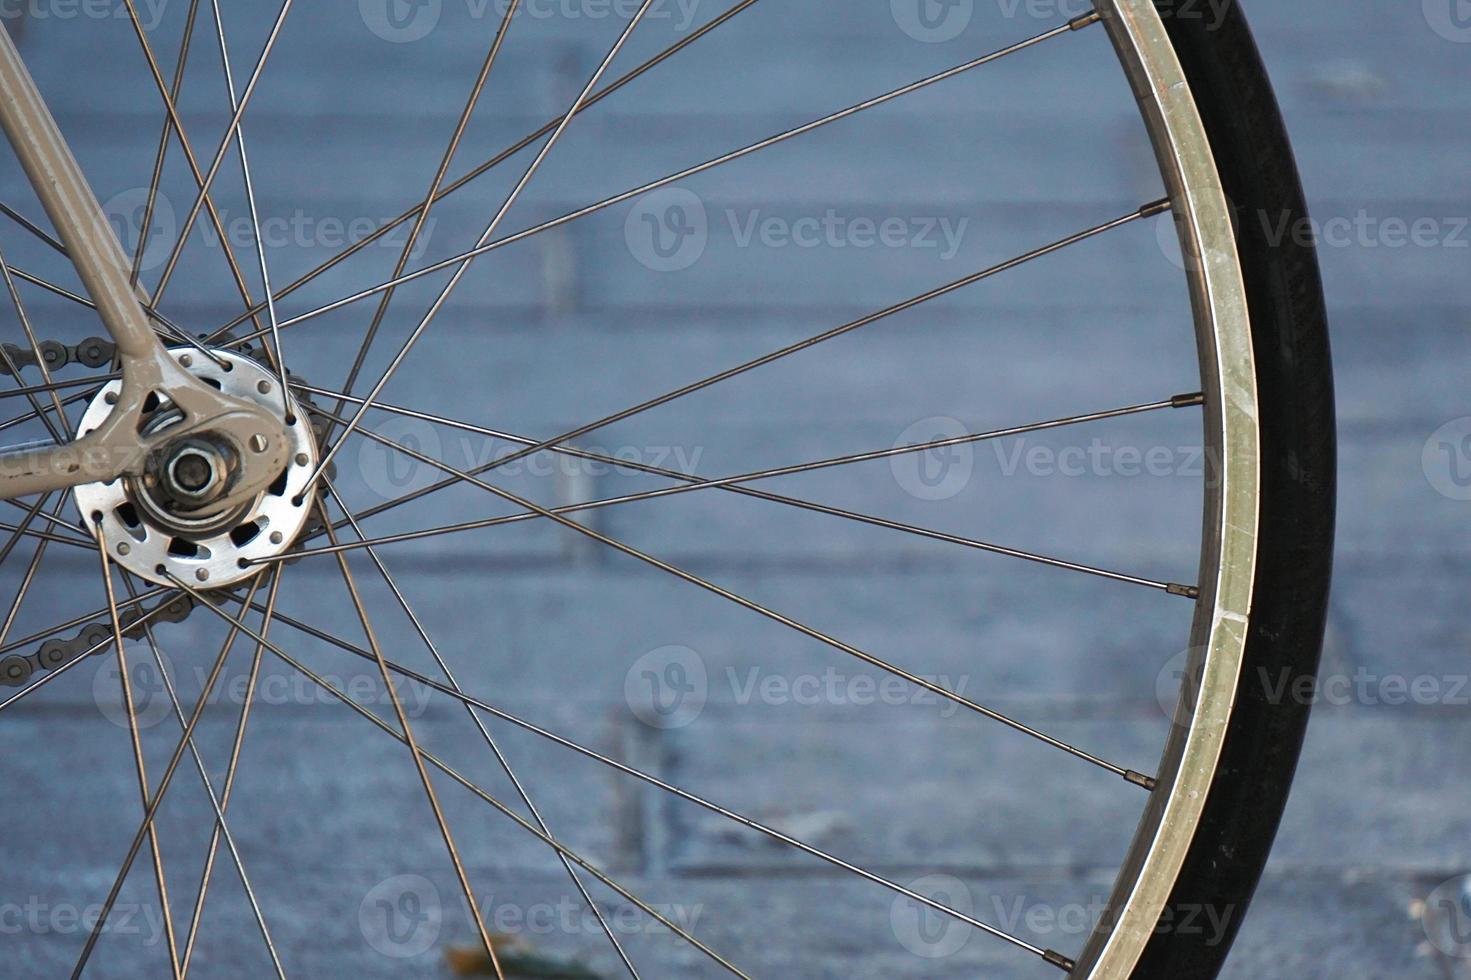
<point x="147" y="520"/>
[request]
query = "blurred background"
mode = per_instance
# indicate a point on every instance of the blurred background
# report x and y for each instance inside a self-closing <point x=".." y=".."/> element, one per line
<point x="346" y="130"/>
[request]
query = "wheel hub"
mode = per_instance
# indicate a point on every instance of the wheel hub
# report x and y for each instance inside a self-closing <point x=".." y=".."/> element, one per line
<point x="159" y="524"/>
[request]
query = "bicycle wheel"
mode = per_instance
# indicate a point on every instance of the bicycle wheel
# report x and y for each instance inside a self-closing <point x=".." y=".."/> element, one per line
<point x="1206" y="811"/>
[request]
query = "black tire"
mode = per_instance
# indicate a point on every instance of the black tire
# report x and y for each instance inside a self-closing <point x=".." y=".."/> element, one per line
<point x="1295" y="391"/>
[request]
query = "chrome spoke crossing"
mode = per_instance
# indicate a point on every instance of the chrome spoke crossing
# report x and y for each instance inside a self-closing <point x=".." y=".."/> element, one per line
<point x="1138" y="779"/>
<point x="483" y="168"/>
<point x="260" y="245"/>
<point x="435" y="184"/>
<point x="221" y="827"/>
<point x="413" y="743"/>
<point x="738" y="818"/>
<point x="151" y="811"/>
<point x="149" y="800"/>
<point x="692" y="171"/>
<point x="1147" y="211"/>
<point x="490" y="741"/>
<point x="439" y="764"/>
<point x="464" y="264"/>
<point x="177" y="124"/>
<point x="208" y="178"/>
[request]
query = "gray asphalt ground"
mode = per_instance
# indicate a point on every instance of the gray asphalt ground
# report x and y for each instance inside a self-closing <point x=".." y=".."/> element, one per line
<point x="329" y="815"/>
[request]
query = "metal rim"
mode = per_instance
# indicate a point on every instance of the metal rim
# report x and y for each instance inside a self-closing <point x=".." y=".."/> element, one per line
<point x="1228" y="373"/>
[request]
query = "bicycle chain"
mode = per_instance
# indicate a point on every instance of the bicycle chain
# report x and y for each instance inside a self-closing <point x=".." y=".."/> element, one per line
<point x="95" y="638"/>
<point x="94" y="352"/>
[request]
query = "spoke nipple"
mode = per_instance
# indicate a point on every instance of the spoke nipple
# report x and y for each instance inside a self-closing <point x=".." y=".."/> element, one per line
<point x="1157" y="207"/>
<point x="1058" y="960"/>
<point x="1139" y="779"/>
<point x="1186" y="401"/>
<point x="1187" y="591"/>
<point x="1087" y="20"/>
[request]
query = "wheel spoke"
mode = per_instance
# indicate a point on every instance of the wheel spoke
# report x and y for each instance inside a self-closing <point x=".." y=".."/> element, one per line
<point x="490" y="229"/>
<point x="31" y="227"/>
<point x="484" y="168"/>
<point x="480" y="726"/>
<point x="690" y="172"/>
